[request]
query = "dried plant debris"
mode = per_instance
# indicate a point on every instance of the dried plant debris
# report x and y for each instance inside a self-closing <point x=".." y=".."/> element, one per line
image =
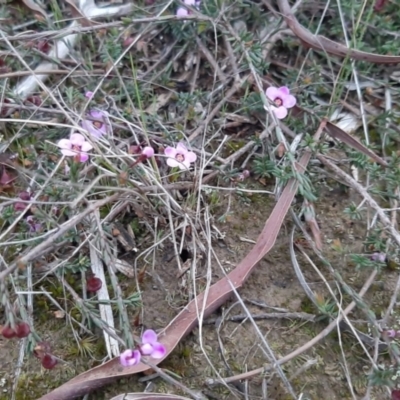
<point x="153" y="159"/>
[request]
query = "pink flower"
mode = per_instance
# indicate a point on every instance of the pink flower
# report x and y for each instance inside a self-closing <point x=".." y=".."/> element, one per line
<point x="180" y="156"/>
<point x="129" y="357"/>
<point x="243" y="175"/>
<point x="34" y="226"/>
<point x="391" y="333"/>
<point x="148" y="152"/>
<point x="89" y="94"/>
<point x="183" y="12"/>
<point x="378" y="257"/>
<point x="150" y="346"/>
<point x="95" y="128"/>
<point x="76" y="145"/>
<point x="282" y="99"/>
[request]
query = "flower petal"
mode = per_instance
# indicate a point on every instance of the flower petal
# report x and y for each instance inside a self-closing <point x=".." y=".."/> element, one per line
<point x="182" y="12"/>
<point x="95" y="132"/>
<point x="272" y="93"/>
<point x="146" y="349"/>
<point x="149" y="336"/>
<point x="148" y="151"/>
<point x="159" y="350"/>
<point x="97" y="114"/>
<point x="68" y="153"/>
<point x="391" y="333"/>
<point x="170" y="152"/>
<point x="124" y="357"/>
<point x="89" y="94"/>
<point x="129" y="358"/>
<point x="283" y="91"/>
<point x="190" y="156"/>
<point x="289" y="101"/>
<point x="77" y="139"/>
<point x="280" y="112"/>
<point x="183" y="165"/>
<point x="88" y="125"/>
<point x="64" y="144"/>
<point x="181" y="149"/>
<point x="86" y="146"/>
<point x="83" y="157"/>
<point x="171" y="162"/>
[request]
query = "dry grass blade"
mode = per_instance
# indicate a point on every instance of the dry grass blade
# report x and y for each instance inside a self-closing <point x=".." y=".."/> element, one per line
<point x="106" y="313"/>
<point x="148" y="396"/>
<point x="35" y="8"/>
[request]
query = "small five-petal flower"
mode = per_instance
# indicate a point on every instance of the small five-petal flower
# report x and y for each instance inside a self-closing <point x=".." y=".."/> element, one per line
<point x="96" y="128"/>
<point x="183" y="12"/>
<point x="75" y="146"/>
<point x="282" y="99"/>
<point x="180" y="156"/>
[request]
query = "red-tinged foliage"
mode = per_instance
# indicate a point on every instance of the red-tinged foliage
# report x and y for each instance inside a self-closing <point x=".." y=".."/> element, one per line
<point x="4" y="111"/>
<point x="24" y="195"/>
<point x="6" y="178"/>
<point x="396" y="394"/>
<point x="36" y="100"/>
<point x="49" y="361"/>
<point x="22" y="330"/>
<point x="41" y="349"/>
<point x="135" y="149"/>
<point x="43" y="46"/>
<point x="3" y="67"/>
<point x="8" y="332"/>
<point x="93" y="284"/>
<point x="379" y="4"/>
<point x="19" y="206"/>
<point x="127" y="42"/>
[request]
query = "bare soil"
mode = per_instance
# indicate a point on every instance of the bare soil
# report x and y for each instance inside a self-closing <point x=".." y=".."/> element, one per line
<point x="319" y="373"/>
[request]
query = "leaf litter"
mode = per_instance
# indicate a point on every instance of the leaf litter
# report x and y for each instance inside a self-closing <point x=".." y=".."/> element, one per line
<point x="173" y="194"/>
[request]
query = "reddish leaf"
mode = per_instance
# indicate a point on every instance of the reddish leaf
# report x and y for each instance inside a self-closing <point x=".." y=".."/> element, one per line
<point x="22" y="330"/>
<point x="379" y="4"/>
<point x="6" y="178"/>
<point x="49" y="361"/>
<point x="41" y="349"/>
<point x="396" y="394"/>
<point x="8" y="332"/>
<point x="93" y="284"/>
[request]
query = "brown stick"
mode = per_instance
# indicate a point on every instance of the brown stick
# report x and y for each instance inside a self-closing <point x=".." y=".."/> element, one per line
<point x="319" y="42"/>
